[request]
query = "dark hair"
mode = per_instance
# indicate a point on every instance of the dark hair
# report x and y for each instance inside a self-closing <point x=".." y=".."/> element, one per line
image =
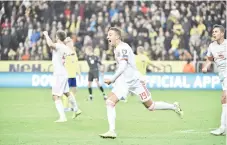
<point x="221" y="28"/>
<point x="115" y="29"/>
<point x="188" y="61"/>
<point x="61" y="35"/>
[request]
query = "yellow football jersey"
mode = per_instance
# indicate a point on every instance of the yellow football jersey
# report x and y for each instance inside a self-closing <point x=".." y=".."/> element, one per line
<point x="72" y="66"/>
<point x="142" y="62"/>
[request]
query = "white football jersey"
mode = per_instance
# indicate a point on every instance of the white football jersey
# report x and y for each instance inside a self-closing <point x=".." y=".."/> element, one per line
<point x="124" y="51"/>
<point x="58" y="59"/>
<point x="218" y="52"/>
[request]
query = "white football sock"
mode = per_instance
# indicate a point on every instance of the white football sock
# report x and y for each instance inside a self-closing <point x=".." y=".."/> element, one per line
<point x="223" y="116"/>
<point x="162" y="106"/>
<point x="111" y="114"/>
<point x="72" y="100"/>
<point x="60" y="108"/>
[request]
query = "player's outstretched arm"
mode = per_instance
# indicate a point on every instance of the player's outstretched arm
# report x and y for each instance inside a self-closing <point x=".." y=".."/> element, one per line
<point x="150" y="63"/>
<point x="207" y="64"/>
<point x="69" y="43"/>
<point x="49" y="41"/>
<point x="209" y="59"/>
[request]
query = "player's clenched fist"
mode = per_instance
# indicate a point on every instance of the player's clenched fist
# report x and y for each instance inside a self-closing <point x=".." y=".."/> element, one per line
<point x="204" y="70"/>
<point x="69" y="42"/>
<point x="45" y="33"/>
<point x="67" y="39"/>
<point x="107" y="81"/>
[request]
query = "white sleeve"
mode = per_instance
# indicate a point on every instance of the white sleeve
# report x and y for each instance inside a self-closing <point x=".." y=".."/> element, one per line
<point x="121" y="67"/>
<point x="123" y="54"/>
<point x="58" y="46"/>
<point x="209" y="53"/>
<point x="67" y="50"/>
<point x="63" y="49"/>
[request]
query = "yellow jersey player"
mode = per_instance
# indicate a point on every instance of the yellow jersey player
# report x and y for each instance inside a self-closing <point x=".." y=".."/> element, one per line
<point x="142" y="61"/>
<point x="73" y="69"/>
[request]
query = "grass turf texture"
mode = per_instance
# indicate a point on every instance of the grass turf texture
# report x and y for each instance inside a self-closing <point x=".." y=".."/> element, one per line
<point x="27" y="118"/>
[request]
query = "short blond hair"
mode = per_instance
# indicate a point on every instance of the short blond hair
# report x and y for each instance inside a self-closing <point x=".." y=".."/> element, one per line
<point x="117" y="30"/>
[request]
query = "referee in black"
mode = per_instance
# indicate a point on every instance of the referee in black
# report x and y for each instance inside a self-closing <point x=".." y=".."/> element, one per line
<point x="93" y="74"/>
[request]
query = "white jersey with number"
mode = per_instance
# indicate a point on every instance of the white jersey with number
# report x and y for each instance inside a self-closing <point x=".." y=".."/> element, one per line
<point x="129" y="80"/>
<point x="58" y="59"/>
<point x="218" y="52"/>
<point x="124" y="52"/>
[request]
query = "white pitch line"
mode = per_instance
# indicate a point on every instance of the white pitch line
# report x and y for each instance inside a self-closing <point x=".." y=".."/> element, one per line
<point x="195" y="131"/>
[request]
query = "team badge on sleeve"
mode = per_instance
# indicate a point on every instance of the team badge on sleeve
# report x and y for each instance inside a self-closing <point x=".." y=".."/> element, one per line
<point x="124" y="53"/>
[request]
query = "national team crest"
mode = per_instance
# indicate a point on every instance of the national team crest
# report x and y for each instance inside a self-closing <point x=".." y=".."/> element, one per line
<point x="124" y="51"/>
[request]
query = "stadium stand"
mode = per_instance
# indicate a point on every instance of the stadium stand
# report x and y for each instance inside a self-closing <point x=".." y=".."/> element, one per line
<point x="167" y="30"/>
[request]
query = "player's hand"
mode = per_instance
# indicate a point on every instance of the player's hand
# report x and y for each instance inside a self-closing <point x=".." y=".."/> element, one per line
<point x="204" y="70"/>
<point x="45" y="33"/>
<point x="68" y="40"/>
<point x="107" y="81"/>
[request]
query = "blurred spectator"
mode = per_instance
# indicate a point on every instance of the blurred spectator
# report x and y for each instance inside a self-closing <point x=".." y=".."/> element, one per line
<point x="177" y="28"/>
<point x="26" y="56"/>
<point x="167" y="30"/>
<point x="201" y="27"/>
<point x="11" y="54"/>
<point x="188" y="67"/>
<point x="6" y="24"/>
<point x="6" y="40"/>
<point x="113" y="10"/>
<point x="174" y="44"/>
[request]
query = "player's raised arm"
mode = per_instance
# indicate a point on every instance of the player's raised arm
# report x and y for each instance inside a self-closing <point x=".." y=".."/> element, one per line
<point x="49" y="41"/>
<point x="69" y="43"/>
<point x="209" y="59"/>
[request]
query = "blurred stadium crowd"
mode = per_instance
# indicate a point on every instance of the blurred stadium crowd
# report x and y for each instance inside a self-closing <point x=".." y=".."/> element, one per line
<point x="167" y="30"/>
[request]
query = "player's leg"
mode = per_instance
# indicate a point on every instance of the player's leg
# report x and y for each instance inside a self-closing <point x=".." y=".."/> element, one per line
<point x="111" y="101"/>
<point x="60" y="108"/>
<point x="222" y="129"/>
<point x="72" y="86"/>
<point x="57" y="91"/>
<point x="72" y="100"/>
<point x="65" y="99"/>
<point x="90" y="79"/>
<point x="117" y="92"/>
<point x="141" y="90"/>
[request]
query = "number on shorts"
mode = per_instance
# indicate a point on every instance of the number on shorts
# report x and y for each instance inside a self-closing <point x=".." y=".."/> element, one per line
<point x="143" y="95"/>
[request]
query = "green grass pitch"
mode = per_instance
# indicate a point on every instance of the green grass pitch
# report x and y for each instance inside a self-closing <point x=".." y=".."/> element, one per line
<point x="27" y="118"/>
